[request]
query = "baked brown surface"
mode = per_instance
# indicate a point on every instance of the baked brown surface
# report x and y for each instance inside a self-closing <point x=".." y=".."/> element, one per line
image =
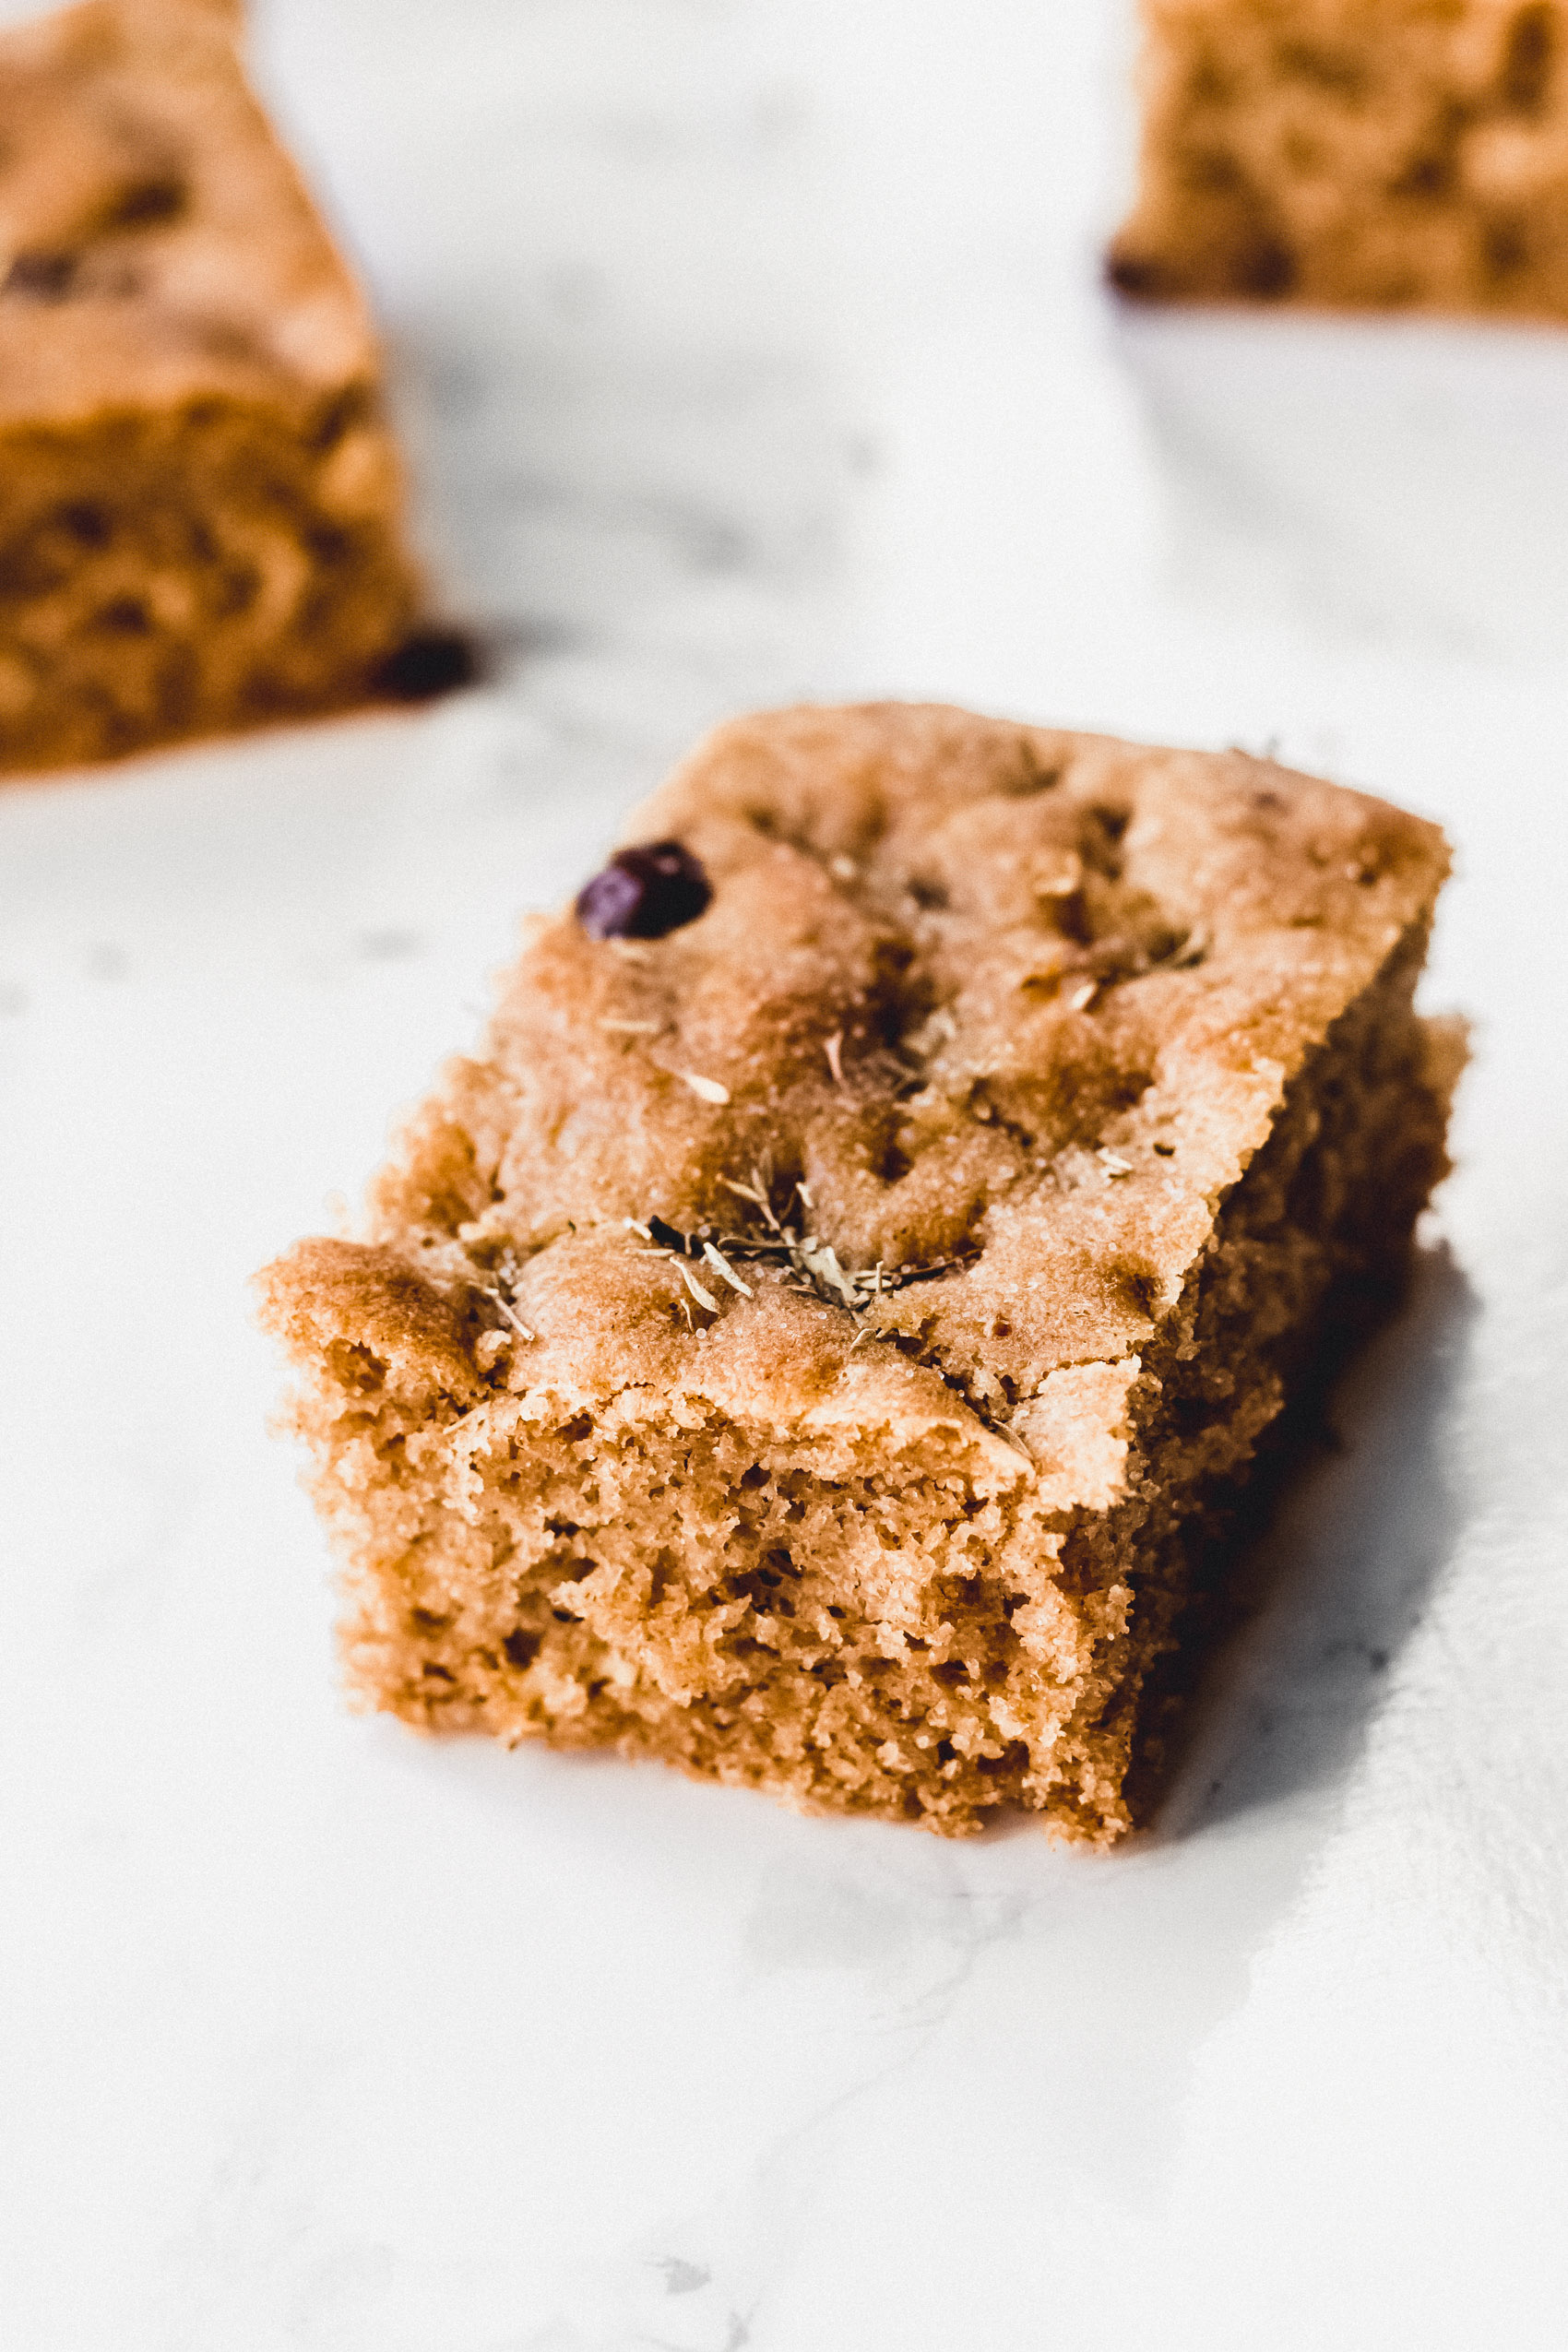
<point x="1384" y="154"/>
<point x="1085" y="1080"/>
<point x="199" y="499"/>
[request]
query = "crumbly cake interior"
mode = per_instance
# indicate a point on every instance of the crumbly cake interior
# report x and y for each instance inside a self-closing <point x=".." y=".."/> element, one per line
<point x="1094" y="1074"/>
<point x="1380" y="153"/>
<point x="200" y="498"/>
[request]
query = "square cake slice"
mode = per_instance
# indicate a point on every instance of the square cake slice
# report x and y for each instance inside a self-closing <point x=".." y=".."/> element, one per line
<point x="1384" y="154"/>
<point x="822" y="1335"/>
<point x="200" y="501"/>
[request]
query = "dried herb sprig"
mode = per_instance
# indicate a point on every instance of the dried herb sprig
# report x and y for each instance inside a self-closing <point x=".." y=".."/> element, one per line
<point x="791" y="1244"/>
<point x="501" y="1293"/>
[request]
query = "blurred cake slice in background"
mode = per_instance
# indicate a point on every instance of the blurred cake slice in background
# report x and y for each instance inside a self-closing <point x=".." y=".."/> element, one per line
<point x="200" y="499"/>
<point x="1376" y="154"/>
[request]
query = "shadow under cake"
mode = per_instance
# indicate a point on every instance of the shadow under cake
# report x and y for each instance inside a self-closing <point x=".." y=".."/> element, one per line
<point x="820" y="1338"/>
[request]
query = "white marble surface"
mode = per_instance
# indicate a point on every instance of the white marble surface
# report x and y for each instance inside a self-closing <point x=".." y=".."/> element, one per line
<point x="754" y="349"/>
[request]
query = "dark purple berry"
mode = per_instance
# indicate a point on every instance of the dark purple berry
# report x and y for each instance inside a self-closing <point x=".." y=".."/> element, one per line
<point x="430" y="662"/>
<point x="644" y="893"/>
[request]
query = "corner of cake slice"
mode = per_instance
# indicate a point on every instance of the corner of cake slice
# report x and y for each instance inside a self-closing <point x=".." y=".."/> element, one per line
<point x="819" y="1337"/>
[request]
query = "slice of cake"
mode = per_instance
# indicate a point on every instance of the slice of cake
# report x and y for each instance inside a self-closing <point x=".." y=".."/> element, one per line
<point x="200" y="498"/>
<point x="821" y="1336"/>
<point x="1379" y="153"/>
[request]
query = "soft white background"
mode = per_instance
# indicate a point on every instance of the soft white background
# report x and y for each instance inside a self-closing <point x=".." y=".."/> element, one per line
<point x="754" y="349"/>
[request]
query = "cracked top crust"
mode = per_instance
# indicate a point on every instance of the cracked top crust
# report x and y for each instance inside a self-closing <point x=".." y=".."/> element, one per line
<point x="156" y="244"/>
<point x="1025" y="999"/>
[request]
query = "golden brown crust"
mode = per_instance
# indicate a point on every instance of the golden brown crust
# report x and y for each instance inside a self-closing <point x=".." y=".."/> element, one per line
<point x="1380" y="154"/>
<point x="200" y="503"/>
<point x="1032" y="947"/>
<point x="160" y="244"/>
<point x="1105" y="1054"/>
<point x="342" y="1294"/>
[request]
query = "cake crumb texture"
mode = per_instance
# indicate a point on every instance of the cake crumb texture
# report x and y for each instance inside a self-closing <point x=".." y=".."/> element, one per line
<point x="1381" y="154"/>
<point x="819" y="1346"/>
<point x="200" y="499"/>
